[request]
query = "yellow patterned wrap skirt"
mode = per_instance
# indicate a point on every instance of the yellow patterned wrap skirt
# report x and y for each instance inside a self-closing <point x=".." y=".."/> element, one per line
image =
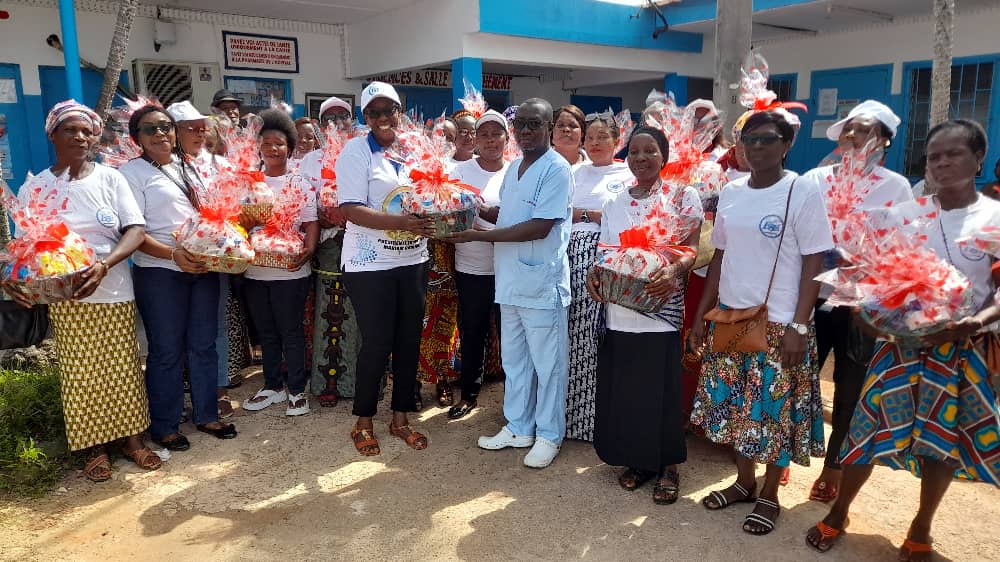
<point x="103" y="391"/>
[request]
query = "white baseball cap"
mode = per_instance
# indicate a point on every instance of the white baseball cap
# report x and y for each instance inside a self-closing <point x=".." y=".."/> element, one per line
<point x="492" y="116"/>
<point x="184" y="111"/>
<point x="378" y="90"/>
<point x="870" y="108"/>
<point x="330" y="103"/>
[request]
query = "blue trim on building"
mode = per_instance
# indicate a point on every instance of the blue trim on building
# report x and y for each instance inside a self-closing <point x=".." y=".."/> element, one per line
<point x="582" y="21"/>
<point x="71" y="49"/>
<point x="690" y="11"/>
<point x="298" y="110"/>
<point x="465" y="68"/>
<point x="38" y="142"/>
<point x="677" y="84"/>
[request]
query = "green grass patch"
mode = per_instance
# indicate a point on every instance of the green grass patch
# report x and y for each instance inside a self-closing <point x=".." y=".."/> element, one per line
<point x="33" y="449"/>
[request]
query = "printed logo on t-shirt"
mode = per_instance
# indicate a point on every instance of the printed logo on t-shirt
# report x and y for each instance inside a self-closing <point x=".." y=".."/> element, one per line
<point x="107" y="217"/>
<point x="770" y="226"/>
<point x="616" y="187"/>
<point x="971" y="253"/>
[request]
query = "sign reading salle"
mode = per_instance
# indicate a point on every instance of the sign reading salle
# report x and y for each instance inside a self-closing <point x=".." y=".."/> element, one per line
<point x="439" y="79"/>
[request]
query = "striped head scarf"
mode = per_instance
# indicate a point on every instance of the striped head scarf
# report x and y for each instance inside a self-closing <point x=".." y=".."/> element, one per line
<point x="71" y="108"/>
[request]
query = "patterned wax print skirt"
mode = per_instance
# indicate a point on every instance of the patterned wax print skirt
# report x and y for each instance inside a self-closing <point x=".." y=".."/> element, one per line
<point x="439" y="340"/>
<point x="336" y="339"/>
<point x="103" y="389"/>
<point x="586" y="328"/>
<point x="768" y="414"/>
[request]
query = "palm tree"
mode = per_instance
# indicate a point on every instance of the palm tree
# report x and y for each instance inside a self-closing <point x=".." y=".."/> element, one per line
<point x="944" y="26"/>
<point x="116" y="55"/>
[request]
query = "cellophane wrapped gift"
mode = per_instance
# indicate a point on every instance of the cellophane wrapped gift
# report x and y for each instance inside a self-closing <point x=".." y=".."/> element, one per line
<point x="214" y="235"/>
<point x="625" y="269"/>
<point x="902" y="288"/>
<point x="452" y="205"/>
<point x="256" y="198"/>
<point x="336" y="138"/>
<point x="47" y="261"/>
<point x="117" y="147"/>
<point x="689" y="164"/>
<point x="279" y="243"/>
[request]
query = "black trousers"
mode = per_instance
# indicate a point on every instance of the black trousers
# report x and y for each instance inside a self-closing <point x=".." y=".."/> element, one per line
<point x="390" y="308"/>
<point x="475" y="303"/>
<point x="278" y="310"/>
<point x="852" y="352"/>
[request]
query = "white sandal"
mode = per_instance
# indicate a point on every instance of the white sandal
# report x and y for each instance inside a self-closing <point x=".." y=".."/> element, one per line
<point x="264" y="398"/>
<point x="294" y="410"/>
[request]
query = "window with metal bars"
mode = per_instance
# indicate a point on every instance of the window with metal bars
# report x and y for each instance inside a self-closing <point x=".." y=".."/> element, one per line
<point x="970" y="99"/>
<point x="784" y="87"/>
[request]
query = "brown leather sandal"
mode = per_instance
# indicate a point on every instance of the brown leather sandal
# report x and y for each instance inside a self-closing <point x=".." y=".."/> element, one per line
<point x="365" y="442"/>
<point x="144" y="458"/>
<point x="98" y="468"/>
<point x="415" y="440"/>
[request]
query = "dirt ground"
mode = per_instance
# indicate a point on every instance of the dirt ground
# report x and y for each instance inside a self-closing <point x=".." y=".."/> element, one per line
<point x="294" y="488"/>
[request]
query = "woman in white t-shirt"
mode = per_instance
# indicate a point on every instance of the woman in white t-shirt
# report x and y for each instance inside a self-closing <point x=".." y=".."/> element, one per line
<point x="177" y="296"/>
<point x="276" y="298"/>
<point x="835" y="330"/>
<point x="103" y="394"/>
<point x="766" y="405"/>
<point x="568" y="124"/>
<point x="597" y="182"/>
<point x="932" y="410"/>
<point x="474" y="260"/>
<point x="385" y="269"/>
<point x="639" y="418"/>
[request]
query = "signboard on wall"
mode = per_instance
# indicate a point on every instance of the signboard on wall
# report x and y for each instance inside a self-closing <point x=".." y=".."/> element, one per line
<point x="250" y="51"/>
<point x="439" y="79"/>
<point x="256" y="93"/>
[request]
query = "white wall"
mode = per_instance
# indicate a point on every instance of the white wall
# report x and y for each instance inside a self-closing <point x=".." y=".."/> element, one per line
<point x="633" y="94"/>
<point x="22" y="41"/>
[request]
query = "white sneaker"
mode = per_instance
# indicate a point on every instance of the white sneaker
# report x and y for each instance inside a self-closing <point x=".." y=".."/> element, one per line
<point x="269" y="397"/>
<point x="505" y="439"/>
<point x="300" y="410"/>
<point x="542" y="454"/>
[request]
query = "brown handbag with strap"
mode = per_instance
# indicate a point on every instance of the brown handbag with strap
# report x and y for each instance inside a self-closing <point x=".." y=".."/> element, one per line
<point x="745" y="329"/>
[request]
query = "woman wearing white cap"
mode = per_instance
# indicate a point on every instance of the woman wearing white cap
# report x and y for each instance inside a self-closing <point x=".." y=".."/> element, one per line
<point x="474" y="260"/>
<point x="835" y="330"/>
<point x="385" y="265"/>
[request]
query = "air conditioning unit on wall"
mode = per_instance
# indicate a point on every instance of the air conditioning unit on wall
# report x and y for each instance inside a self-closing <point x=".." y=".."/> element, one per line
<point x="170" y="81"/>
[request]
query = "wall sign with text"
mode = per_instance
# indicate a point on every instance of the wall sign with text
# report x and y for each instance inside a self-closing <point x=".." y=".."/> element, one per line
<point x="439" y="79"/>
<point x="249" y="51"/>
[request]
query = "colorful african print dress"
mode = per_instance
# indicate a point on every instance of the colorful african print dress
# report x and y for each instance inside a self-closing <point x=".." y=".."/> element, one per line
<point x="439" y="340"/>
<point x="336" y="340"/>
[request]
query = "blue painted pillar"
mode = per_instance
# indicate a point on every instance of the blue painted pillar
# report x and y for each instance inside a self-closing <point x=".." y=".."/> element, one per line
<point x="677" y="84"/>
<point x="71" y="50"/>
<point x="463" y="69"/>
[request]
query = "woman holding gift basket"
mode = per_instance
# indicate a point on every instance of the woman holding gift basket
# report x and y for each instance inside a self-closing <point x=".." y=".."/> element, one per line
<point x="385" y="264"/>
<point x="277" y="283"/>
<point x="928" y="405"/>
<point x="759" y="390"/>
<point x="103" y="395"/>
<point x="639" y="418"/>
<point x="176" y="294"/>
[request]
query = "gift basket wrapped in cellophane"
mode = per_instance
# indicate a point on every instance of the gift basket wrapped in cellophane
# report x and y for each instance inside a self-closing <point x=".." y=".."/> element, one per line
<point x="690" y="136"/>
<point x="256" y="198"/>
<point x="335" y="138"/>
<point x="452" y="205"/>
<point x="117" y="147"/>
<point x="902" y="288"/>
<point x="279" y="243"/>
<point x="46" y="262"/>
<point x="215" y="235"/>
<point x="625" y="269"/>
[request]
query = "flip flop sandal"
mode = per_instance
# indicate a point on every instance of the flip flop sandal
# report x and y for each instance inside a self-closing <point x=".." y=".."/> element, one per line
<point x="98" y="468"/>
<point x="666" y="494"/>
<point x="754" y="517"/>
<point x="636" y="477"/>
<point x="415" y="440"/>
<point x="786" y="474"/>
<point x="144" y="458"/>
<point x="225" y="407"/>
<point x="822" y="491"/>
<point x="365" y="442"/>
<point x="828" y="536"/>
<point x="910" y="548"/>
<point x="720" y="500"/>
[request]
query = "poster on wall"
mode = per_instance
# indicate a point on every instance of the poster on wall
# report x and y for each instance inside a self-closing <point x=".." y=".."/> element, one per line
<point x="6" y="165"/>
<point x="250" y="51"/>
<point x="314" y="100"/>
<point x="257" y="94"/>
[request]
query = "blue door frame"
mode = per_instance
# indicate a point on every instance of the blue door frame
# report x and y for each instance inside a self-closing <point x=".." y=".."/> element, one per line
<point x="14" y="133"/>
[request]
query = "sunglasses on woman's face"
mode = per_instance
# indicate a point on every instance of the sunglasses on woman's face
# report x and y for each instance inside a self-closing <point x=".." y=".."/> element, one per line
<point x="759" y="140"/>
<point x="153" y="128"/>
<point x="373" y="114"/>
<point x="198" y="130"/>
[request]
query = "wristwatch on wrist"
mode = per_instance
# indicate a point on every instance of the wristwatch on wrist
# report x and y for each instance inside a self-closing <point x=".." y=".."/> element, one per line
<point x="584" y="217"/>
<point x="800" y="329"/>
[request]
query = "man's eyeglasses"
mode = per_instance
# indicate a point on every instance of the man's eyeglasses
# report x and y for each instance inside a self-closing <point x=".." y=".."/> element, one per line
<point x="532" y="124"/>
<point x="760" y="140"/>
<point x="372" y="114"/>
<point x="468" y="133"/>
<point x="152" y="128"/>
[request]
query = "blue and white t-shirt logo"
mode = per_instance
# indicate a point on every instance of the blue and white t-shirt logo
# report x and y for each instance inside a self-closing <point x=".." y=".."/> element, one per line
<point x="107" y="217"/>
<point x="971" y="252"/>
<point x="616" y="187"/>
<point x="770" y="226"/>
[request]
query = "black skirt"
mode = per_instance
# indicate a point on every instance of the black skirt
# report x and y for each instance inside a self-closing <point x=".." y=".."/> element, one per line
<point x="639" y="419"/>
